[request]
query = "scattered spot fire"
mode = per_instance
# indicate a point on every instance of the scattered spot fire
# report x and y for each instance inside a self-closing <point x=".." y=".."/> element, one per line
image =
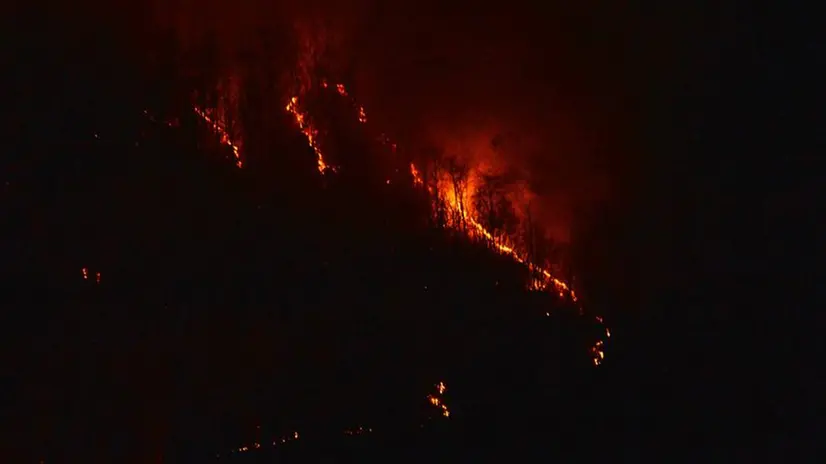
<point x="438" y="400"/>
<point x="276" y="441"/>
<point x="446" y="192"/>
<point x="84" y="271"/>
<point x="360" y="430"/>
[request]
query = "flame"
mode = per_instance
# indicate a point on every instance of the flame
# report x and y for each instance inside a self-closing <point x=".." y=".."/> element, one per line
<point x="438" y="401"/>
<point x="220" y="129"/>
<point x="257" y="445"/>
<point x="456" y="197"/>
<point x="417" y="177"/>
<point x="598" y="353"/>
<point x="85" y="273"/>
<point x="309" y="132"/>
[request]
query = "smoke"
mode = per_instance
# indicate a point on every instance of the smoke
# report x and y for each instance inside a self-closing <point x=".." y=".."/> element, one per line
<point x="508" y="89"/>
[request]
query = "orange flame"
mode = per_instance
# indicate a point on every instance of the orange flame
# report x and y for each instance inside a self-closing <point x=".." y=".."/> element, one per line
<point x="459" y="204"/>
<point x="465" y="218"/>
<point x="220" y="129"/>
<point x="309" y="132"/>
<point x="437" y="399"/>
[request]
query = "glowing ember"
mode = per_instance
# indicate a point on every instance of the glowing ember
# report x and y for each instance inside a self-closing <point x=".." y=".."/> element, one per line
<point x="85" y="273"/>
<point x="438" y="401"/>
<point x="597" y="352"/>
<point x="220" y="129"/>
<point x="417" y="178"/>
<point x="257" y="445"/>
<point x="358" y="431"/>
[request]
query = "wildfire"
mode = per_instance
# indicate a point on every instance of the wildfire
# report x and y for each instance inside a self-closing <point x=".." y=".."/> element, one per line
<point x="417" y="178"/>
<point x="221" y="131"/>
<point x="84" y="272"/>
<point x="458" y="204"/>
<point x="598" y="353"/>
<point x="276" y="441"/>
<point x="358" y="431"/>
<point x="461" y="216"/>
<point x="438" y="400"/>
<point x="310" y="132"/>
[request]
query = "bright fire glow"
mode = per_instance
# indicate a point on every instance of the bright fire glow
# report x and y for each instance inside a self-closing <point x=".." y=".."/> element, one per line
<point x="220" y="129"/>
<point x="437" y="399"/>
<point x="309" y="132"/>
<point x="456" y="197"/>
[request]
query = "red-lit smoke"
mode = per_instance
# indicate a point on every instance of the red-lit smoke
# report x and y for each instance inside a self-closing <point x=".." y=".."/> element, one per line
<point x="502" y="89"/>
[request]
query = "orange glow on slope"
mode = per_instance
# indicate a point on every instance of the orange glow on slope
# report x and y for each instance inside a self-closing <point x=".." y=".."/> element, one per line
<point x="459" y="204"/>
<point x="310" y="132"/>
<point x="462" y="217"/>
<point x="276" y="441"/>
<point x="282" y="440"/>
<point x="219" y="128"/>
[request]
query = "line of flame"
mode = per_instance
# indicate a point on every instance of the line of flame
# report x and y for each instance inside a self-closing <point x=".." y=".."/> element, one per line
<point x="309" y="132"/>
<point x="476" y="228"/>
<point x="222" y="133"/>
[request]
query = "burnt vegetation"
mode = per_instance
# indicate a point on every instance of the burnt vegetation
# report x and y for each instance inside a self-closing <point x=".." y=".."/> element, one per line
<point x="167" y="303"/>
